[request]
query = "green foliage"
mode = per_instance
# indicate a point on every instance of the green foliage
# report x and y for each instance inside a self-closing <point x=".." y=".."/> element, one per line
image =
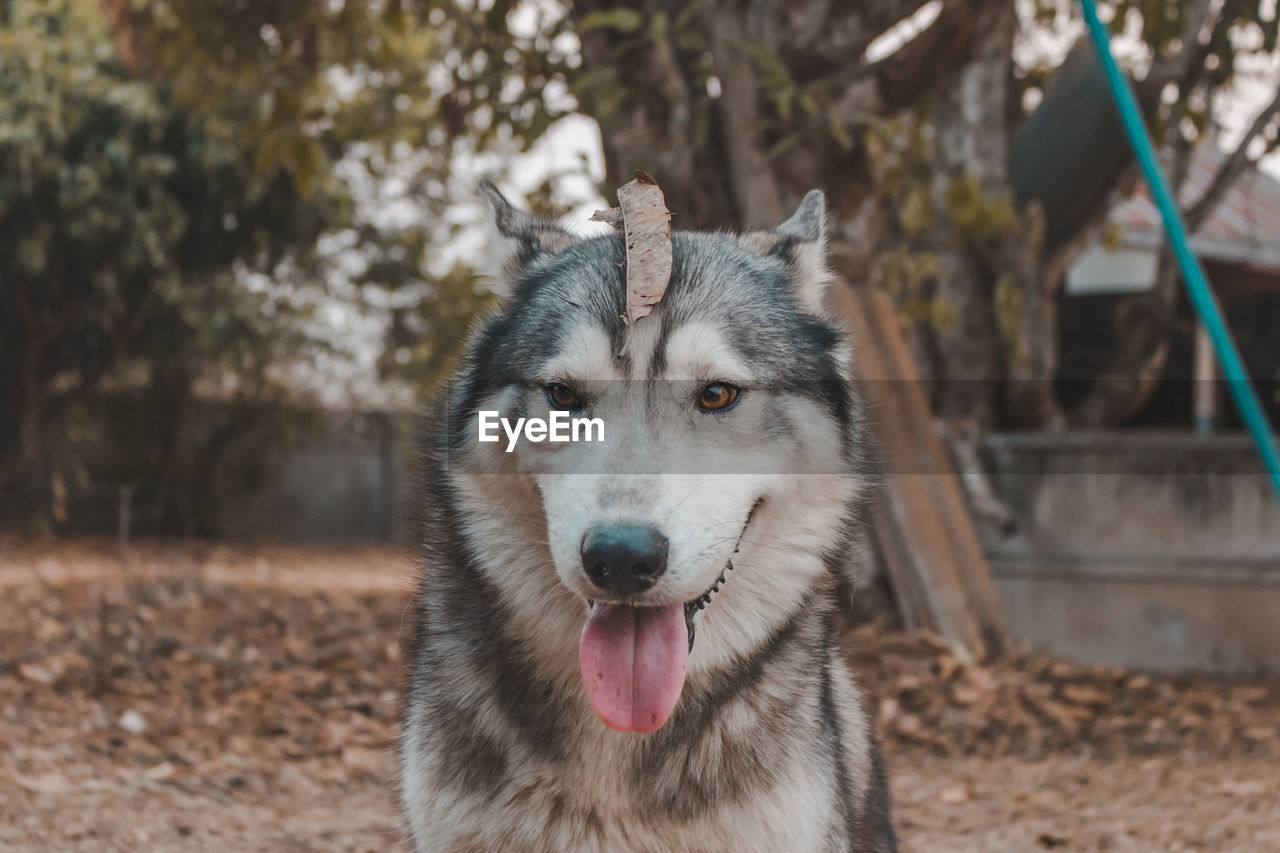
<point x="425" y="338"/>
<point x="906" y="265"/>
<point x="622" y="19"/>
<point x="151" y="166"/>
<point x="1243" y="34"/>
<point x="134" y="210"/>
<point x="504" y="70"/>
<point x="973" y="215"/>
<point x="909" y="276"/>
<point x="1006" y="303"/>
<point x="299" y="83"/>
<point x="118" y="211"/>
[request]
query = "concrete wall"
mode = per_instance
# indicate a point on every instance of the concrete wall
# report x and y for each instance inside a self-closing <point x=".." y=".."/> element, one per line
<point x="285" y="474"/>
<point x="1159" y="551"/>
<point x="344" y="480"/>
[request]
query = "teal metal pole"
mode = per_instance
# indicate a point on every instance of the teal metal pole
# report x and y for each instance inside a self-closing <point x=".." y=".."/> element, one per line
<point x="1202" y="299"/>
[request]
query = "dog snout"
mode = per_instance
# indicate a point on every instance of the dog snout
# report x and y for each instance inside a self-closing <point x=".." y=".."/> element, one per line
<point x="624" y="559"/>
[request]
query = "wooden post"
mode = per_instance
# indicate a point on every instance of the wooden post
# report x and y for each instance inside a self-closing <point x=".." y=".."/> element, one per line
<point x="1204" y="387"/>
<point x="921" y="526"/>
<point x="124" y="521"/>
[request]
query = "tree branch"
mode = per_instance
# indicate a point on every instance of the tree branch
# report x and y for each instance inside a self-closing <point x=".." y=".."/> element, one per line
<point x="134" y="30"/>
<point x="1231" y="171"/>
<point x="917" y="69"/>
<point x="1188" y="65"/>
<point x="820" y="37"/>
<point x="752" y="179"/>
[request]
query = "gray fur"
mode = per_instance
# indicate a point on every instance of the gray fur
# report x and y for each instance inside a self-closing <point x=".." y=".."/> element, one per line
<point x="808" y="223"/>
<point x="518" y="238"/>
<point x="767" y="747"/>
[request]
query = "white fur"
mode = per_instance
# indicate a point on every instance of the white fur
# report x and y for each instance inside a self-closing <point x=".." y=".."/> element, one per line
<point x="526" y="516"/>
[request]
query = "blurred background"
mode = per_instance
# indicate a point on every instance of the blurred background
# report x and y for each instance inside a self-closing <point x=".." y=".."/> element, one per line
<point x="238" y="244"/>
<point x="238" y="240"/>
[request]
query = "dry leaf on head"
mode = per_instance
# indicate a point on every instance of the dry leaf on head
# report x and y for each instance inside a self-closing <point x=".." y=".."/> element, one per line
<point x="646" y="225"/>
<point x="611" y="217"/>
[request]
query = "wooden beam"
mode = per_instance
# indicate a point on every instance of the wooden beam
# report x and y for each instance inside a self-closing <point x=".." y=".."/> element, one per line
<point x="921" y="525"/>
<point x="1204" y="388"/>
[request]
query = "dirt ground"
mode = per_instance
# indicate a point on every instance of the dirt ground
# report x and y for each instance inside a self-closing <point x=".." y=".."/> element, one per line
<point x="206" y="698"/>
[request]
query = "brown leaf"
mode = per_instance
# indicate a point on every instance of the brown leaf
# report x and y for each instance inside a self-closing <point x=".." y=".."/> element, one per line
<point x="159" y="772"/>
<point x="54" y="668"/>
<point x="375" y="762"/>
<point x="1246" y="789"/>
<point x="611" y="217"/>
<point x="646" y="225"/>
<point x="1084" y="694"/>
<point x="43" y="672"/>
<point x="45" y="783"/>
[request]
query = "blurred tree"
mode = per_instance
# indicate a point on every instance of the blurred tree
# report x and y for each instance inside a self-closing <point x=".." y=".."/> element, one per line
<point x="740" y="107"/>
<point x="143" y="188"/>
<point x="1199" y="51"/>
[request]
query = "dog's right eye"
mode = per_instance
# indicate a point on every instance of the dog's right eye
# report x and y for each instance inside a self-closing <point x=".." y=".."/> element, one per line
<point x="562" y="396"/>
<point x="718" y="396"/>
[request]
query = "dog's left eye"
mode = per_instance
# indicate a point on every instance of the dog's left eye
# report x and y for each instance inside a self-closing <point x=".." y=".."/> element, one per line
<point x="718" y="396"/>
<point x="562" y="396"/>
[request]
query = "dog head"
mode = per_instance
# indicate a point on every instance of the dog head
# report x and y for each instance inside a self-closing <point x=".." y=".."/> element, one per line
<point x="729" y="431"/>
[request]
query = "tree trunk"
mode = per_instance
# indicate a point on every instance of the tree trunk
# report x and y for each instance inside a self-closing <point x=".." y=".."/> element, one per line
<point x="751" y="179"/>
<point x="171" y="388"/>
<point x="1030" y="400"/>
<point x="31" y="394"/>
<point x="735" y="156"/>
<point x="969" y="117"/>
<point x="715" y="154"/>
<point x="29" y="435"/>
<point x="1144" y="325"/>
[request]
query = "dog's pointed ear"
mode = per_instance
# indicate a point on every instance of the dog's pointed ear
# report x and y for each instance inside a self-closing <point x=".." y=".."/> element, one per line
<point x="516" y="239"/>
<point x="801" y="243"/>
<point x="809" y="222"/>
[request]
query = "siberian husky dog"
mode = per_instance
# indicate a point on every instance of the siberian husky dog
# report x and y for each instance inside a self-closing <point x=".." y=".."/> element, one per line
<point x="627" y="644"/>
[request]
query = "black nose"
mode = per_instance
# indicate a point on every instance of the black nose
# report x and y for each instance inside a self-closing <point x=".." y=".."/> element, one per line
<point x="624" y="558"/>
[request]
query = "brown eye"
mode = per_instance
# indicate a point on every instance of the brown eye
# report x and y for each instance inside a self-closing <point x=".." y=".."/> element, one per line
<point x="562" y="396"/>
<point x="717" y="397"/>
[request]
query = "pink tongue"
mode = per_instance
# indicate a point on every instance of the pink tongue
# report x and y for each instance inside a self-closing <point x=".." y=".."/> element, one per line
<point x="633" y="661"/>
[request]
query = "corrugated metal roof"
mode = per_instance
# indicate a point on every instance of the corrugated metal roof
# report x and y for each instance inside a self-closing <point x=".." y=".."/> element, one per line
<point x="1245" y="228"/>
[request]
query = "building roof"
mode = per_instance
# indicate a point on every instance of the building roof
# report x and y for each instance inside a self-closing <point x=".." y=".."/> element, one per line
<point x="1245" y="227"/>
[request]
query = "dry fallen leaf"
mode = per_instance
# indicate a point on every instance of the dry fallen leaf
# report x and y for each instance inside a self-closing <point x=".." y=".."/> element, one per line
<point x="1084" y="694"/>
<point x="45" y="672"/>
<point x="1049" y="842"/>
<point x="159" y="772"/>
<point x="611" y="217"/>
<point x="45" y="783"/>
<point x="306" y="726"/>
<point x="646" y="225"/>
<point x="1246" y="789"/>
<point x="375" y="762"/>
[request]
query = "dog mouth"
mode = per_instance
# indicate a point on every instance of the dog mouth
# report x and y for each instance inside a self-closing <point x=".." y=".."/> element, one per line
<point x="693" y="608"/>
<point x="634" y="658"/>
